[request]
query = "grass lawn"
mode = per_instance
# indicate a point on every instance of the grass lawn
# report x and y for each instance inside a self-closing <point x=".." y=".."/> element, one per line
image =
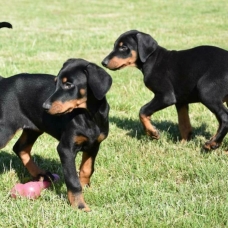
<point x="137" y="182"/>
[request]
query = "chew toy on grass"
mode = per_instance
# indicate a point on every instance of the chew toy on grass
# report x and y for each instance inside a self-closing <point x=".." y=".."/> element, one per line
<point x="32" y="189"/>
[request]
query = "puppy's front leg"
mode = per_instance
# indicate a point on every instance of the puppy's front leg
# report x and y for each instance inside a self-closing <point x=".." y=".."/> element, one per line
<point x="87" y="165"/>
<point x="67" y="154"/>
<point x="159" y="102"/>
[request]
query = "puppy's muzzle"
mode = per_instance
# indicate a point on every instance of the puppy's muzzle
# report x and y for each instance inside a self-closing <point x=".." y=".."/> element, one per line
<point x="105" y="62"/>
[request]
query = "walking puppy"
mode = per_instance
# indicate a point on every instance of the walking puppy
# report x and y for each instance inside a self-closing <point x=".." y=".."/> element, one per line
<point x="79" y="94"/>
<point x="181" y="77"/>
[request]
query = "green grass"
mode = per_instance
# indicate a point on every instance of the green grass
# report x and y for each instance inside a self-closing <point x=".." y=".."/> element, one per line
<point x="137" y="182"/>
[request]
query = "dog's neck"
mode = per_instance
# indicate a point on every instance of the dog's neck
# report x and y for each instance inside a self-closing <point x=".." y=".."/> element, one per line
<point x="151" y="60"/>
<point x="98" y="111"/>
<point x="139" y="64"/>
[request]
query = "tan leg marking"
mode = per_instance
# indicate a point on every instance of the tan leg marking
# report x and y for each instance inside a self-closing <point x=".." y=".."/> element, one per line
<point x="86" y="169"/>
<point x="149" y="128"/>
<point x="26" y="158"/>
<point x="77" y="200"/>
<point x="28" y="162"/>
<point x="211" y="145"/>
<point x="184" y="124"/>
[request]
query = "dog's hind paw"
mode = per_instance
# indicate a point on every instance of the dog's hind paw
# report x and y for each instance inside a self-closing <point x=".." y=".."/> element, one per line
<point x="153" y="134"/>
<point x="211" y="145"/>
<point x="85" y="209"/>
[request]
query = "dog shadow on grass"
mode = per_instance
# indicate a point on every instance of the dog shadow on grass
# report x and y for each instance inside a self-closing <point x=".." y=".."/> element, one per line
<point x="135" y="129"/>
<point x="11" y="163"/>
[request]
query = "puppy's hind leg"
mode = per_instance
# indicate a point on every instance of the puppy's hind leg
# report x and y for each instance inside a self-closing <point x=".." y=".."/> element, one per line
<point x="221" y="114"/>
<point x="23" y="149"/>
<point x="184" y="122"/>
<point x="6" y="134"/>
<point x="213" y="96"/>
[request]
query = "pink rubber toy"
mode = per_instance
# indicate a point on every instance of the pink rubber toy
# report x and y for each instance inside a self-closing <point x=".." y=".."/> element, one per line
<point x="32" y="189"/>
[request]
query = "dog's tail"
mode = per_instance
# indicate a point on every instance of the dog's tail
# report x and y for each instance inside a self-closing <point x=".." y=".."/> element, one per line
<point x="5" y="25"/>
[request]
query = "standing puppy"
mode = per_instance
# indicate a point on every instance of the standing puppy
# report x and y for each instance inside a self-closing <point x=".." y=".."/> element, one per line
<point x="181" y="77"/>
<point x="80" y="91"/>
<point x="76" y="115"/>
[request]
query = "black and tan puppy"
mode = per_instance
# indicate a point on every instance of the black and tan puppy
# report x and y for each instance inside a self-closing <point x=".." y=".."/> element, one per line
<point x="181" y="77"/>
<point x="76" y="115"/>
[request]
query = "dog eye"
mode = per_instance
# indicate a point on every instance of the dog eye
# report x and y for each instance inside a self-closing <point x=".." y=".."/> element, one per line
<point x="68" y="85"/>
<point x="123" y="48"/>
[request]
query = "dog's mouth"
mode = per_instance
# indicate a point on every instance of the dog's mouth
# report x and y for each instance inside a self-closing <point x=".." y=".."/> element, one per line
<point x="59" y="108"/>
<point x="64" y="112"/>
<point x="125" y="65"/>
<point x="59" y="113"/>
<point x="122" y="66"/>
<point x="115" y="66"/>
<point x="117" y="63"/>
<point x="118" y="68"/>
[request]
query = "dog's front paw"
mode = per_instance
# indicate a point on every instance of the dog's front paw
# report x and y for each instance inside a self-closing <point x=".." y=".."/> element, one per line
<point x="211" y="145"/>
<point x="47" y="176"/>
<point x="77" y="201"/>
<point x="148" y="127"/>
<point x="84" y="208"/>
<point x="153" y="134"/>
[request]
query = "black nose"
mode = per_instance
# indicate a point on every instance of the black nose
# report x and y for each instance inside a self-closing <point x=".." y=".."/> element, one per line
<point x="105" y="62"/>
<point x="46" y="106"/>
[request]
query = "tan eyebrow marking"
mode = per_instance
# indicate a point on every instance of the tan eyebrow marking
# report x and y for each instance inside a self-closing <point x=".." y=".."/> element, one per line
<point x="64" y="80"/>
<point x="82" y="92"/>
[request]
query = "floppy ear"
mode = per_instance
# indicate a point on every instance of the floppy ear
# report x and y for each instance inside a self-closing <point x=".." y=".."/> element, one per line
<point x="99" y="80"/>
<point x="146" y="45"/>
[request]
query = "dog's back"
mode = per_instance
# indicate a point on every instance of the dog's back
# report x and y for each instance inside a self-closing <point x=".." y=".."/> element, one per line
<point x="187" y="68"/>
<point x="24" y="93"/>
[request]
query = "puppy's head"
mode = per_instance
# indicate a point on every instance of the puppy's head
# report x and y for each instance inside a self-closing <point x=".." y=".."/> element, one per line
<point x="130" y="48"/>
<point x="73" y="82"/>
